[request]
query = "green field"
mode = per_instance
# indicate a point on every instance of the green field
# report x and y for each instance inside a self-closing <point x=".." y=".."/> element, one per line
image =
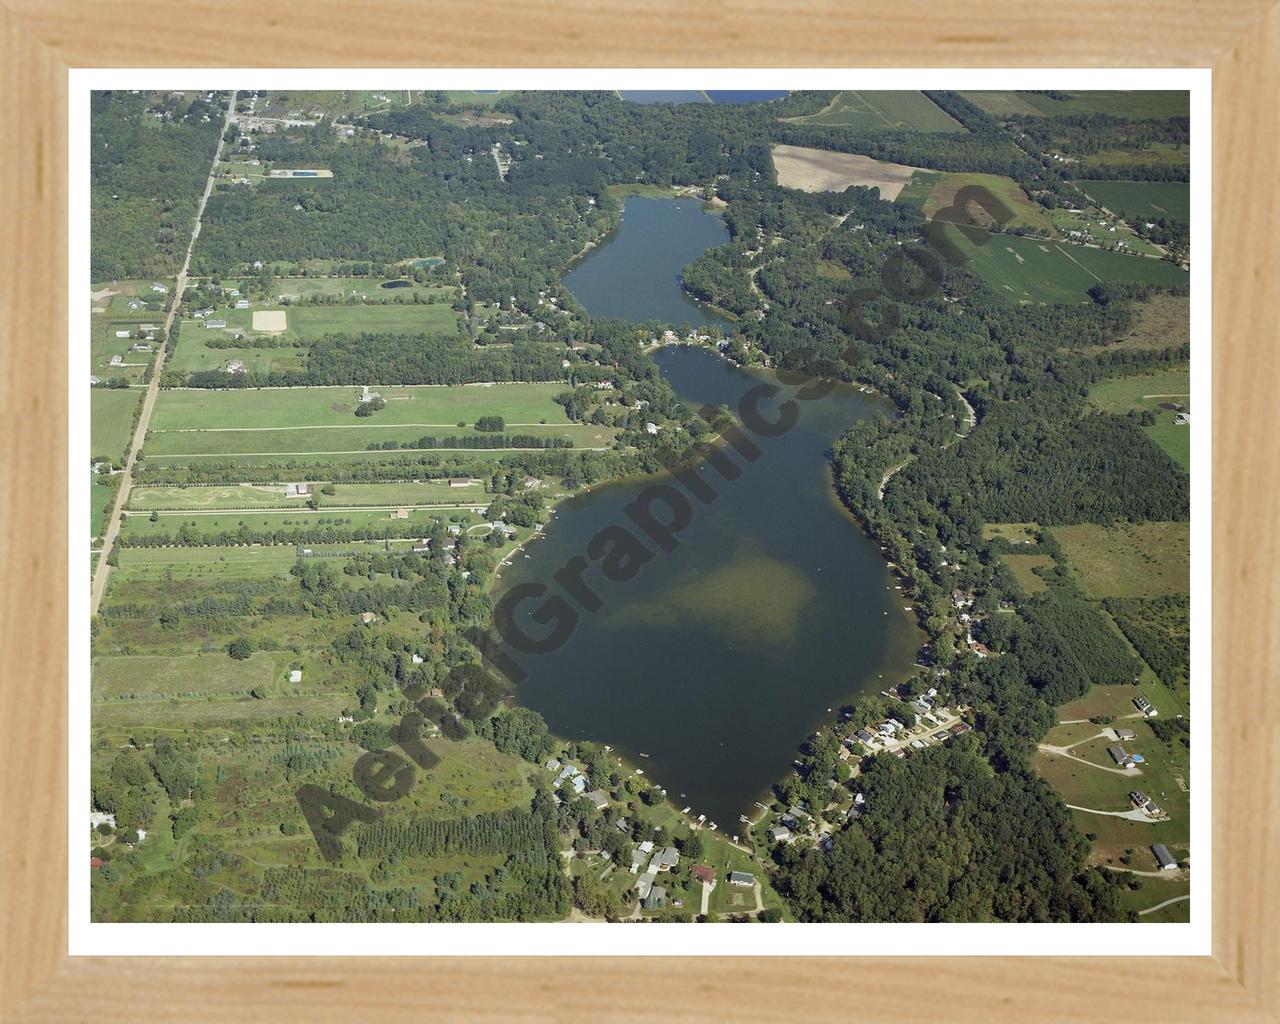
<point x="1151" y="391"/>
<point x="1022" y="565"/>
<point x="1017" y="533"/>
<point x="209" y="563"/>
<point x="1132" y="560"/>
<point x="1033" y="270"/>
<point x="1142" y="200"/>
<point x="420" y="520"/>
<point x="368" y="290"/>
<point x="352" y="439"/>
<point x="882" y="110"/>
<point x="931" y="191"/>
<point x="424" y="405"/>
<point x="1135" y="105"/>
<point x="306" y="323"/>
<point x="249" y="496"/>
<point x="156" y="677"/>
<point x="111" y="413"/>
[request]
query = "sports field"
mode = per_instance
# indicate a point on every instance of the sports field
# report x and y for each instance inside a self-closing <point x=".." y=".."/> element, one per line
<point x="1119" y="103"/>
<point x="1142" y="200"/>
<point x="111" y="420"/>
<point x="1025" y="269"/>
<point x="1131" y="560"/>
<point x="931" y="191"/>
<point x="883" y="110"/>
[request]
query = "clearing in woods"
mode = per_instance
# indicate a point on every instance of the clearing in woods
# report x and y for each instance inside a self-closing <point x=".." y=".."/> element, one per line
<point x="1133" y="560"/>
<point x="823" y="170"/>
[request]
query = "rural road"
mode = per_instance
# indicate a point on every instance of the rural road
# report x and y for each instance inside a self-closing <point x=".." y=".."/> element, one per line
<point x="1161" y="906"/>
<point x="1065" y="752"/>
<point x="103" y="570"/>
<point x="1129" y="815"/>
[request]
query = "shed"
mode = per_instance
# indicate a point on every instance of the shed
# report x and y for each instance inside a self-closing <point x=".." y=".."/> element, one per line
<point x="295" y="675"/>
<point x="1164" y="858"/>
<point x="741" y="878"/>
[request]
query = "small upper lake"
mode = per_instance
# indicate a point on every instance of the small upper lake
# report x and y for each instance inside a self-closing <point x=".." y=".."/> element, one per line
<point x="719" y="659"/>
<point x="635" y="272"/>
<point x="721" y="96"/>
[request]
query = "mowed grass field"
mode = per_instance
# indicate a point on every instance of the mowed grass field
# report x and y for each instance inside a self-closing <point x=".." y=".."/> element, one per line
<point x="423" y="405"/>
<point x="1142" y="200"/>
<point x="367" y="289"/>
<point x="249" y="496"/>
<point x="1024" y="269"/>
<point x="862" y="109"/>
<point x="1132" y="560"/>
<point x="1149" y="391"/>
<point x="1135" y="105"/>
<point x="111" y="420"/>
<point x="931" y="191"/>
<point x="318" y="420"/>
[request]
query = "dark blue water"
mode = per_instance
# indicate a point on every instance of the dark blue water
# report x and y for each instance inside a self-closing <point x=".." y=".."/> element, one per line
<point x="719" y="659"/>
<point x="736" y="96"/>
<point x="664" y="95"/>
<point x="635" y="273"/>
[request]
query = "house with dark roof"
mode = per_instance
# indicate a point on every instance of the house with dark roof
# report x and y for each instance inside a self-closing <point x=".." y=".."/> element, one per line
<point x="741" y="878"/>
<point x="703" y="873"/>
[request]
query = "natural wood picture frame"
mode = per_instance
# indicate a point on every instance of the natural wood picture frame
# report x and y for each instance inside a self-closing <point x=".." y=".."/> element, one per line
<point x="41" y="39"/>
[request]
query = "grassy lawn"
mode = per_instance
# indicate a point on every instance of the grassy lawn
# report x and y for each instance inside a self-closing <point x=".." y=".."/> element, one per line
<point x="1022" y="565"/>
<point x="887" y="109"/>
<point x="111" y="413"/>
<point x="187" y="563"/>
<point x="1024" y="269"/>
<point x="1133" y="560"/>
<point x="204" y="523"/>
<point x="1142" y="200"/>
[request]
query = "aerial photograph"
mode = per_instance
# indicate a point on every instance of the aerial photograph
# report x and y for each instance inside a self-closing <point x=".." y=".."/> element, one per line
<point x="638" y="506"/>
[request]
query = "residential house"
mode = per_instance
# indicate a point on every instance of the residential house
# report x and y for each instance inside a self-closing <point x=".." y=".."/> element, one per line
<point x="779" y="834"/>
<point x="664" y="859"/>
<point x="703" y="873"/>
<point x="1120" y="757"/>
<point x="598" y="800"/>
<point x="1124" y="734"/>
<point x="656" y="899"/>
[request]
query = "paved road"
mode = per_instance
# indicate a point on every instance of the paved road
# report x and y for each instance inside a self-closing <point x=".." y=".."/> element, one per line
<point x="149" y="398"/>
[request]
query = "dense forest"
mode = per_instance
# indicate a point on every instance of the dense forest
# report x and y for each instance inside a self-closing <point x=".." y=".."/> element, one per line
<point x="148" y="164"/>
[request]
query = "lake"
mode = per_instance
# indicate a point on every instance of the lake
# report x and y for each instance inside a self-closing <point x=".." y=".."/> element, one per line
<point x="721" y="96"/>
<point x="719" y="659"/>
<point x="635" y="272"/>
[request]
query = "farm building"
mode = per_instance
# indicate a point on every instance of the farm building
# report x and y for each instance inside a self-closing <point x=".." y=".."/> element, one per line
<point x="368" y="618"/>
<point x="122" y="334"/>
<point x="242" y="303"/>
<point x="236" y="366"/>
<point x="116" y="360"/>
<point x="215" y="323"/>
<point x="741" y="878"/>
<point x="1164" y="858"/>
<point x="460" y="481"/>
<point x="295" y="676"/>
<point x="297" y="490"/>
